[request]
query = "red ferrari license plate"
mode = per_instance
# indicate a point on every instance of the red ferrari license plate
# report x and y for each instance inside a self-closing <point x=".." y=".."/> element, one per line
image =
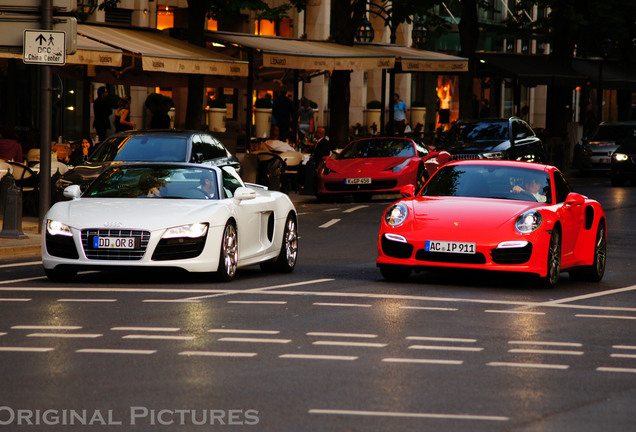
<point x="352" y="181"/>
<point x="449" y="247"/>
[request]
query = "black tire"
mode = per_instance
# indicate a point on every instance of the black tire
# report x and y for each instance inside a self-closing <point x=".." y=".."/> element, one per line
<point x="595" y="272"/>
<point x="228" y="257"/>
<point x="554" y="260"/>
<point x="286" y="261"/>
<point x="396" y="273"/>
<point x="60" y="275"/>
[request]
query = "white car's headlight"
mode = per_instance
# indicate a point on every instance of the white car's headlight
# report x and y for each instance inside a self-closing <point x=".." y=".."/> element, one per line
<point x="401" y="166"/>
<point x="396" y="214"/>
<point x="192" y="231"/>
<point x="58" y="228"/>
<point x="528" y="221"/>
<point x="620" y="157"/>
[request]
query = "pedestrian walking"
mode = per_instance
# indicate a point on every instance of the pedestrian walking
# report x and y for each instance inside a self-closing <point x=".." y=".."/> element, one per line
<point x="101" y="113"/>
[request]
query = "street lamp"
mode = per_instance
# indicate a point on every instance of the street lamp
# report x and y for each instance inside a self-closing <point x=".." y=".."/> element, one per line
<point x="85" y="8"/>
<point x="365" y="32"/>
<point x="419" y="33"/>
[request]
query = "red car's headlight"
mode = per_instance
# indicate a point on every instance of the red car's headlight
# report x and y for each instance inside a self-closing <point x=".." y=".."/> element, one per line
<point x="396" y="214"/>
<point x="528" y="221"/>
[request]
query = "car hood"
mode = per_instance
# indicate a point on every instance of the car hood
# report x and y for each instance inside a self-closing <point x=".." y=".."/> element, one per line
<point x="364" y="165"/>
<point x="134" y="213"/>
<point x="477" y="213"/>
<point x="477" y="146"/>
<point x="627" y="148"/>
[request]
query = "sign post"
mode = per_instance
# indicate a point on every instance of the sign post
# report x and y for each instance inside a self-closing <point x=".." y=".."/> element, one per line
<point x="44" y="47"/>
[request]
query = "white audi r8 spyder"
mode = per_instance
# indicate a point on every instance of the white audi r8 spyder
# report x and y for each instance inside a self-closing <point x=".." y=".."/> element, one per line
<point x="175" y="215"/>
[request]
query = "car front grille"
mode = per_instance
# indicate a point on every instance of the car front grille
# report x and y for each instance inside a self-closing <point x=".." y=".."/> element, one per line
<point x="512" y="255"/>
<point x="444" y="257"/>
<point x="466" y="156"/>
<point x="374" y="185"/>
<point x="115" y="254"/>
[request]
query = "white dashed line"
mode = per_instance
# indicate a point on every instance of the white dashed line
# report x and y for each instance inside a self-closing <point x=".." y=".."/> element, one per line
<point x="15" y="299"/>
<point x="158" y="337"/>
<point x="606" y="316"/>
<point x="317" y="357"/>
<point x="351" y="344"/>
<point x="546" y="343"/>
<point x="218" y="354"/>
<point x="628" y="356"/>
<point x="445" y="348"/>
<point x="170" y="301"/>
<point x="539" y="351"/>
<point x="441" y="339"/>
<point x="352" y="209"/>
<point x="355" y="335"/>
<point x="44" y="327"/>
<point x="408" y="415"/>
<point x="244" y="331"/>
<point x="86" y="300"/>
<point x="330" y="223"/>
<point x="114" y="351"/>
<point x="615" y="369"/>
<point x="150" y="329"/>
<point x="528" y="365"/>
<point x="343" y="304"/>
<point x="67" y="335"/>
<point x="256" y="340"/>
<point x="626" y="347"/>
<point x="261" y="302"/>
<point x="422" y="361"/>
<point x="25" y="349"/>
<point x="429" y="308"/>
<point x="513" y="312"/>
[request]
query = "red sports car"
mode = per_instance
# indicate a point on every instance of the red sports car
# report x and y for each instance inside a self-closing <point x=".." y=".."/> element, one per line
<point x="376" y="165"/>
<point x="495" y="215"/>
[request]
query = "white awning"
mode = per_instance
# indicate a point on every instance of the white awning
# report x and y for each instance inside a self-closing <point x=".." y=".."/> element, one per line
<point x="161" y="53"/>
<point x="416" y="60"/>
<point x="289" y="53"/>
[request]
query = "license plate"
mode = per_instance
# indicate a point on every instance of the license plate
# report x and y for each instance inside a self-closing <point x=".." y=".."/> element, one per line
<point x="364" y="180"/>
<point x="115" y="242"/>
<point x="449" y="247"/>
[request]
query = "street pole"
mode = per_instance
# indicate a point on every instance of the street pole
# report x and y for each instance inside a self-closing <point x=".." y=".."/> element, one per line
<point x="45" y="122"/>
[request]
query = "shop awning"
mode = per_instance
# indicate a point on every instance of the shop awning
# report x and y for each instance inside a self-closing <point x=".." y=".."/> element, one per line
<point x="529" y="70"/>
<point x="305" y="54"/>
<point x="161" y="53"/>
<point x="416" y="60"/>
<point x="89" y="52"/>
<point x="613" y="75"/>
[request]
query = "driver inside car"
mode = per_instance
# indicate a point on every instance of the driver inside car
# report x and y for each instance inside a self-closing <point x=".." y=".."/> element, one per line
<point x="532" y="187"/>
<point x="208" y="185"/>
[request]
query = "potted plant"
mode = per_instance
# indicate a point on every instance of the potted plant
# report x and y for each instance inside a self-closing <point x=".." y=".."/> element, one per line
<point x="373" y="114"/>
<point x="418" y="113"/>
<point x="217" y="113"/>
<point x="262" y="117"/>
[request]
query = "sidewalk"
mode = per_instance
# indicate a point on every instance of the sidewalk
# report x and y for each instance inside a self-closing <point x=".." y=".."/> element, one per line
<point x="31" y="245"/>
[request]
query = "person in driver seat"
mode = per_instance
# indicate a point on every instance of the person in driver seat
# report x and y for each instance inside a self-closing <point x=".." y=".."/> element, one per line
<point x="208" y="185"/>
<point x="532" y="186"/>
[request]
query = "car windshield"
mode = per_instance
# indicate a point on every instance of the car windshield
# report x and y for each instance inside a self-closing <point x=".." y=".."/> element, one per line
<point x="490" y="181"/>
<point x="614" y="132"/>
<point x="142" y="148"/>
<point x="379" y="147"/>
<point x="479" y="131"/>
<point x="154" y="182"/>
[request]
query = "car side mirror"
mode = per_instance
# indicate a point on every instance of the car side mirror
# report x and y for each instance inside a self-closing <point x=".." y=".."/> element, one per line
<point x="407" y="191"/>
<point x="243" y="193"/>
<point x="574" y="199"/>
<point x="73" y="192"/>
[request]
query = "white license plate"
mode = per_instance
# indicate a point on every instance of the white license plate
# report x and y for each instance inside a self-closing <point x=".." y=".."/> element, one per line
<point x="114" y="242"/>
<point x="449" y="247"/>
<point x="364" y="180"/>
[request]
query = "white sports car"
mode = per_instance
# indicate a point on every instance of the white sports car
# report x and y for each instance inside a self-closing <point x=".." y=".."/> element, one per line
<point x="179" y="215"/>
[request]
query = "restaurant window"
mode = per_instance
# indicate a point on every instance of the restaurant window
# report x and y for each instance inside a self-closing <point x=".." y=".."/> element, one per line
<point x="447" y="101"/>
<point x="165" y="17"/>
<point x="281" y="28"/>
<point x="213" y="25"/>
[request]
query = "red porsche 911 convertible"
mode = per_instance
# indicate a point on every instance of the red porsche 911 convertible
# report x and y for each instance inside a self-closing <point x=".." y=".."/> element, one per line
<point x="377" y="165"/>
<point x="495" y="215"/>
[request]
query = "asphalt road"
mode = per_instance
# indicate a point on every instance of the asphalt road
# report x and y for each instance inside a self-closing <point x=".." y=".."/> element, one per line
<point x="330" y="347"/>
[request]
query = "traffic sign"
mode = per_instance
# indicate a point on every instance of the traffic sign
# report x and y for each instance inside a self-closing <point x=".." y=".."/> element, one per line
<point x="44" y="47"/>
<point x="14" y="25"/>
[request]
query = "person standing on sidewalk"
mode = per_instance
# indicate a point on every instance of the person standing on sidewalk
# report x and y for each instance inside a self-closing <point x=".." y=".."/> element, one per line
<point x="400" y="115"/>
<point x="101" y="111"/>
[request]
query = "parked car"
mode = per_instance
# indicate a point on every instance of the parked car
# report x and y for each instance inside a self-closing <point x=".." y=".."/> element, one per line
<point x="597" y="150"/>
<point x="623" y="165"/>
<point x="495" y="215"/>
<point x="493" y="138"/>
<point x="175" y="215"/>
<point x="374" y="165"/>
<point x="150" y="146"/>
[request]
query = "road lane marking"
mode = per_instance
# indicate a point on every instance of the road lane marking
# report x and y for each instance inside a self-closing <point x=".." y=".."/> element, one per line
<point x="44" y="327"/>
<point x="25" y="349"/>
<point x="158" y="337"/>
<point x="330" y="223"/>
<point x="342" y="304"/>
<point x="170" y="301"/>
<point x="318" y="357"/>
<point x="150" y="329"/>
<point x="244" y="331"/>
<point x="422" y="361"/>
<point x="355" y="335"/>
<point x="24" y="264"/>
<point x="606" y="316"/>
<point x="86" y="300"/>
<point x="408" y="415"/>
<point x="351" y="344"/>
<point x="627" y="347"/>
<point x="31" y="279"/>
<point x="218" y="354"/>
<point x="528" y="365"/>
<point x="257" y="340"/>
<point x="589" y="296"/>
<point x="539" y="351"/>
<point x="352" y="209"/>
<point x="115" y="351"/>
<point x="615" y="369"/>
<point x="629" y="356"/>
<point x="441" y="339"/>
<point x="67" y="335"/>
<point x="263" y="302"/>
<point x="445" y="348"/>
<point x="15" y="299"/>
<point x="3" y="334"/>
<point x="546" y="343"/>
<point x="262" y="290"/>
<point x="429" y="308"/>
<point x="514" y="312"/>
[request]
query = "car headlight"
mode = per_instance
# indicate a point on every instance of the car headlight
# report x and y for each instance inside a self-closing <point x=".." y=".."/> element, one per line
<point x="191" y="231"/>
<point x="325" y="170"/>
<point x="528" y="221"/>
<point x="58" y="228"/>
<point x="620" y="157"/>
<point x="396" y="214"/>
<point x="492" y="155"/>
<point x="401" y="166"/>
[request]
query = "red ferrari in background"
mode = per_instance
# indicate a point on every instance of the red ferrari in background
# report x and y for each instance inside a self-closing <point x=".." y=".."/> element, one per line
<point x="376" y="165"/>
<point x="495" y="215"/>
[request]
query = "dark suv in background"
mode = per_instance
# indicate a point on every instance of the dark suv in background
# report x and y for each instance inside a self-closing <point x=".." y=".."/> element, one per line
<point x="493" y="138"/>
